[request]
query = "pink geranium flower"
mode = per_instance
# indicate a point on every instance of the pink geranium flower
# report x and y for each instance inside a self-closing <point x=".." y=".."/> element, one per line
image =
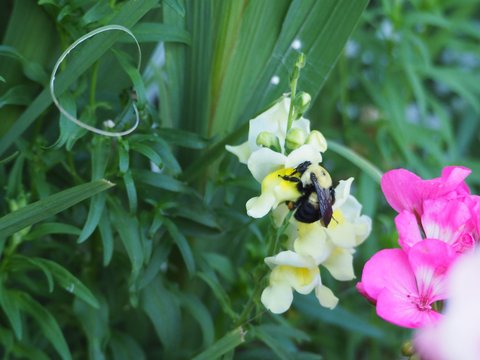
<point x="406" y="191"/>
<point x="404" y="286"/>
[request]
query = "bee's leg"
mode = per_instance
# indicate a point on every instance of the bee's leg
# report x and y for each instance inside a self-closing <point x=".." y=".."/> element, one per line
<point x="332" y="195"/>
<point x="290" y="178"/>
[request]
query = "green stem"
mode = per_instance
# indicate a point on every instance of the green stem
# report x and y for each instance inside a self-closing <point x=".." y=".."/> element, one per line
<point x="290" y="111"/>
<point x="93" y="84"/>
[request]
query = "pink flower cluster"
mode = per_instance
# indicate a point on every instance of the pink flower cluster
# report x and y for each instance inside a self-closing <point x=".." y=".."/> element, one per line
<point x="437" y="221"/>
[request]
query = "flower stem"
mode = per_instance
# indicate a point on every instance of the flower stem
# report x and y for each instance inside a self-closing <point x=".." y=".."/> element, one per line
<point x="299" y="64"/>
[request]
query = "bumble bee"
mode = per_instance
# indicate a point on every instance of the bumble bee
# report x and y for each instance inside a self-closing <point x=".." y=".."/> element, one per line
<point x="317" y="193"/>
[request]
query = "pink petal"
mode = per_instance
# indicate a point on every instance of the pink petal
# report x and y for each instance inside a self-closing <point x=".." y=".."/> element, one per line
<point x="400" y="189"/>
<point x="408" y="229"/>
<point x="446" y="220"/>
<point x="362" y="292"/>
<point x="398" y="309"/>
<point x="452" y="180"/>
<point x="430" y="260"/>
<point x="388" y="269"/>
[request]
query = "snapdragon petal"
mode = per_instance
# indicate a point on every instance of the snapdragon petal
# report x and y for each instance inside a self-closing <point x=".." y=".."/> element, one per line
<point x="302" y="154"/>
<point x="340" y="264"/>
<point x="312" y="240"/>
<point x="326" y="297"/>
<point x="242" y="151"/>
<point x="263" y="162"/>
<point x="277" y="298"/>
<point x="342" y="192"/>
<point x="259" y="206"/>
<point x="290" y="258"/>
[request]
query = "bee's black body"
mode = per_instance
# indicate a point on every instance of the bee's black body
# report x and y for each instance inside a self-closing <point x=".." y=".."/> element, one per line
<point x="316" y="201"/>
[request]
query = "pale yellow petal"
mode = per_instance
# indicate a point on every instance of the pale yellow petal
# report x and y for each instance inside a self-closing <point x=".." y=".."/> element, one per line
<point x="242" y="151"/>
<point x="326" y="297"/>
<point x="340" y="264"/>
<point x="277" y="298"/>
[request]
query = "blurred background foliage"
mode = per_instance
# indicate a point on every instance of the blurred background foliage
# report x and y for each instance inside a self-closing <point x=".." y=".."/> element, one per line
<point x="166" y="264"/>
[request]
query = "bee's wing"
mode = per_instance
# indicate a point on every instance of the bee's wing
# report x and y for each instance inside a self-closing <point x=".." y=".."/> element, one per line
<point x="324" y="205"/>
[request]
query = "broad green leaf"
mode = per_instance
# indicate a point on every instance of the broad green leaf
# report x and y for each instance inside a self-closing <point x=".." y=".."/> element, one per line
<point x="227" y="343"/>
<point x="46" y="322"/>
<point x="43" y="209"/>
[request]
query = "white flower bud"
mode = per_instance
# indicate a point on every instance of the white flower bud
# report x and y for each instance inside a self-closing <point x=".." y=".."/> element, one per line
<point x="317" y="140"/>
<point x="295" y="138"/>
<point x="269" y="140"/>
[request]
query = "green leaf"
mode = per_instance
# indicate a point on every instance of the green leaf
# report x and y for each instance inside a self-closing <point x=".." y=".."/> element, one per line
<point x="41" y="230"/>
<point x="128" y="15"/>
<point x="107" y="238"/>
<point x="97" y="204"/>
<point x="219" y="292"/>
<point x="18" y="95"/>
<point x="182" y="244"/>
<point x="131" y="191"/>
<point x="47" y="323"/>
<point x="357" y="160"/>
<point x="19" y="262"/>
<point x="227" y="343"/>
<point x="147" y="151"/>
<point x="43" y="209"/>
<point x="182" y="138"/>
<point x="201" y="314"/>
<point x="160" y="181"/>
<point x="162" y="308"/>
<point x="128" y="229"/>
<point x="63" y="277"/>
<point x="155" y="32"/>
<point x="12" y="311"/>
<point x="175" y="5"/>
<point x="31" y="69"/>
<point x="125" y="347"/>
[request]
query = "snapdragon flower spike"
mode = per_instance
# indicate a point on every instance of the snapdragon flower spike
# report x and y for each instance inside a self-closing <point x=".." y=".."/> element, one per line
<point x="291" y="271"/>
<point x="404" y="286"/>
<point x="457" y="334"/>
<point x="406" y="191"/>
<point x="334" y="246"/>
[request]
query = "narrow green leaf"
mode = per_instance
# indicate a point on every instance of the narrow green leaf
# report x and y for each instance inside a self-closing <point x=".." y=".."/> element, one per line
<point x="182" y="138"/>
<point x="147" y="151"/>
<point x="97" y="204"/>
<point x="41" y="230"/>
<point x="128" y="15"/>
<point x="106" y="234"/>
<point x="11" y="310"/>
<point x="162" y="308"/>
<point x="64" y="278"/>
<point x="159" y="181"/>
<point x="43" y="209"/>
<point x="182" y="244"/>
<point x="125" y="347"/>
<point x="128" y="229"/>
<point x="357" y="160"/>
<point x="31" y="69"/>
<point x="19" y="262"/>
<point x="131" y="191"/>
<point x="201" y="314"/>
<point x="18" y="95"/>
<point x="277" y="345"/>
<point x="155" y="32"/>
<point x="219" y="293"/>
<point x="227" y="343"/>
<point x="9" y="158"/>
<point x="47" y="323"/>
<point x="175" y="5"/>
